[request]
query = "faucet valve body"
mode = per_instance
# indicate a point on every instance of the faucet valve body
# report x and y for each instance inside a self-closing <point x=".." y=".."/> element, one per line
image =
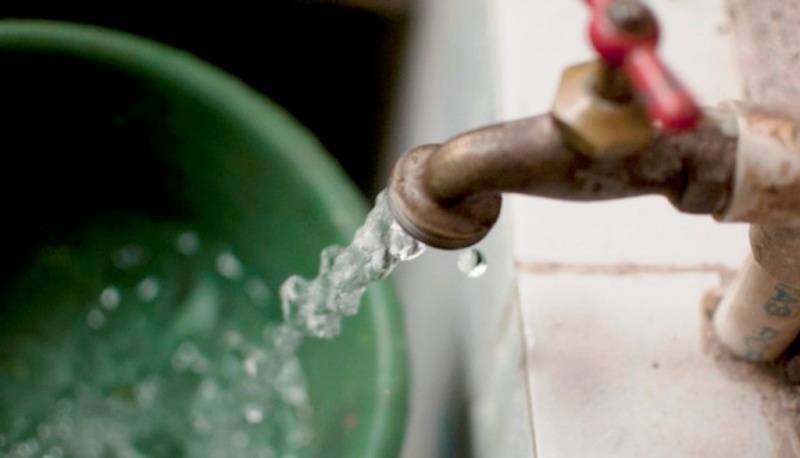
<point x="605" y="108"/>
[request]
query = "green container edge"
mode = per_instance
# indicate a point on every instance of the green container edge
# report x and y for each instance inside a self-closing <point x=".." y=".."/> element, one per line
<point x="340" y="200"/>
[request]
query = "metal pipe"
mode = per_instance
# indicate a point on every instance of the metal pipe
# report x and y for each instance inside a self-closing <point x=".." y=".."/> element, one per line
<point x="759" y="316"/>
<point x="449" y="195"/>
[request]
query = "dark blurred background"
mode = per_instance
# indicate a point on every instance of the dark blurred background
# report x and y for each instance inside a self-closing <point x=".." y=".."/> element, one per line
<point x="330" y="63"/>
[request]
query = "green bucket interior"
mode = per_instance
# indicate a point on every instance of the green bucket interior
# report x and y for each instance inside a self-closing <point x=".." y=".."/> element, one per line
<point x="107" y="135"/>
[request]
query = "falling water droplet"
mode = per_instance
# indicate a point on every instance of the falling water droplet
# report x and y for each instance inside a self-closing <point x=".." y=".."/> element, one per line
<point x="109" y="297"/>
<point x="472" y="263"/>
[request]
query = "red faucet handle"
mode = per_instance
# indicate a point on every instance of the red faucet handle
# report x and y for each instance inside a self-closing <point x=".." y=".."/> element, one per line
<point x="625" y="35"/>
<point x="665" y="98"/>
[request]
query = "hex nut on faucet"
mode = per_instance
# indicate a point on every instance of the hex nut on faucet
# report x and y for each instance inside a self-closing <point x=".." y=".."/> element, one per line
<point x="595" y="126"/>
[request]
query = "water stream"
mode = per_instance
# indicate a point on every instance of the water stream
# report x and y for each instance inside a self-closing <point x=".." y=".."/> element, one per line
<point x="316" y="307"/>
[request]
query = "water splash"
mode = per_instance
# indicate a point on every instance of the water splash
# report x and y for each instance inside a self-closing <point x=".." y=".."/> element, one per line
<point x="201" y="374"/>
<point x="315" y="307"/>
<point x="170" y="356"/>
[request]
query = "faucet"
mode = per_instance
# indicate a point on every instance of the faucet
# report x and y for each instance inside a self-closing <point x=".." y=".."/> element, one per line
<point x="621" y="126"/>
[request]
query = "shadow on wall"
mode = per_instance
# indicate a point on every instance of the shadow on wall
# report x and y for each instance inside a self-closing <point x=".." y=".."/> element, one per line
<point x="331" y="64"/>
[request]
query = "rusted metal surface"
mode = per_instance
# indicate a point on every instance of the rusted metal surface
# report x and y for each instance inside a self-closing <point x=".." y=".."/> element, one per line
<point x="777" y="249"/>
<point x="447" y="225"/>
<point x="762" y="307"/>
<point x="760" y="316"/>
<point x="767" y="182"/>
<point x="449" y="195"/>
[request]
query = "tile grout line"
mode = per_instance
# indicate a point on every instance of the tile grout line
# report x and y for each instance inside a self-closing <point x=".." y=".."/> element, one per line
<point x="621" y="269"/>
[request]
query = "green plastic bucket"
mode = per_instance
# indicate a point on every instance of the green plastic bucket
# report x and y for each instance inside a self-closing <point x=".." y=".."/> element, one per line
<point x="107" y="135"/>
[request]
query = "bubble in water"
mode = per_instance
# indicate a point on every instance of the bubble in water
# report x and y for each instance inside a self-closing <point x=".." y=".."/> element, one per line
<point x="289" y="386"/>
<point x="403" y="245"/>
<point x="147" y="391"/>
<point x="265" y="452"/>
<point x="55" y="452"/>
<point x="239" y="439"/>
<point x="232" y="339"/>
<point x="44" y="431"/>
<point x="253" y="362"/>
<point x="109" y="297"/>
<point x="187" y="243"/>
<point x="472" y="263"/>
<point x="286" y="339"/>
<point x="148" y="289"/>
<point x="257" y="290"/>
<point x="26" y="449"/>
<point x="201" y="424"/>
<point x="186" y="357"/>
<point x="208" y="389"/>
<point x="129" y="257"/>
<point x="95" y="319"/>
<point x="229" y="266"/>
<point x="253" y="414"/>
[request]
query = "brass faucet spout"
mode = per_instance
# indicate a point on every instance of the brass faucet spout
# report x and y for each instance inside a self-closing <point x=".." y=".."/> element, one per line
<point x="449" y="195"/>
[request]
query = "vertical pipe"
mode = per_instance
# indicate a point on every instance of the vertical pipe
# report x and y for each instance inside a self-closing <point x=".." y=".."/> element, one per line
<point x="760" y="315"/>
